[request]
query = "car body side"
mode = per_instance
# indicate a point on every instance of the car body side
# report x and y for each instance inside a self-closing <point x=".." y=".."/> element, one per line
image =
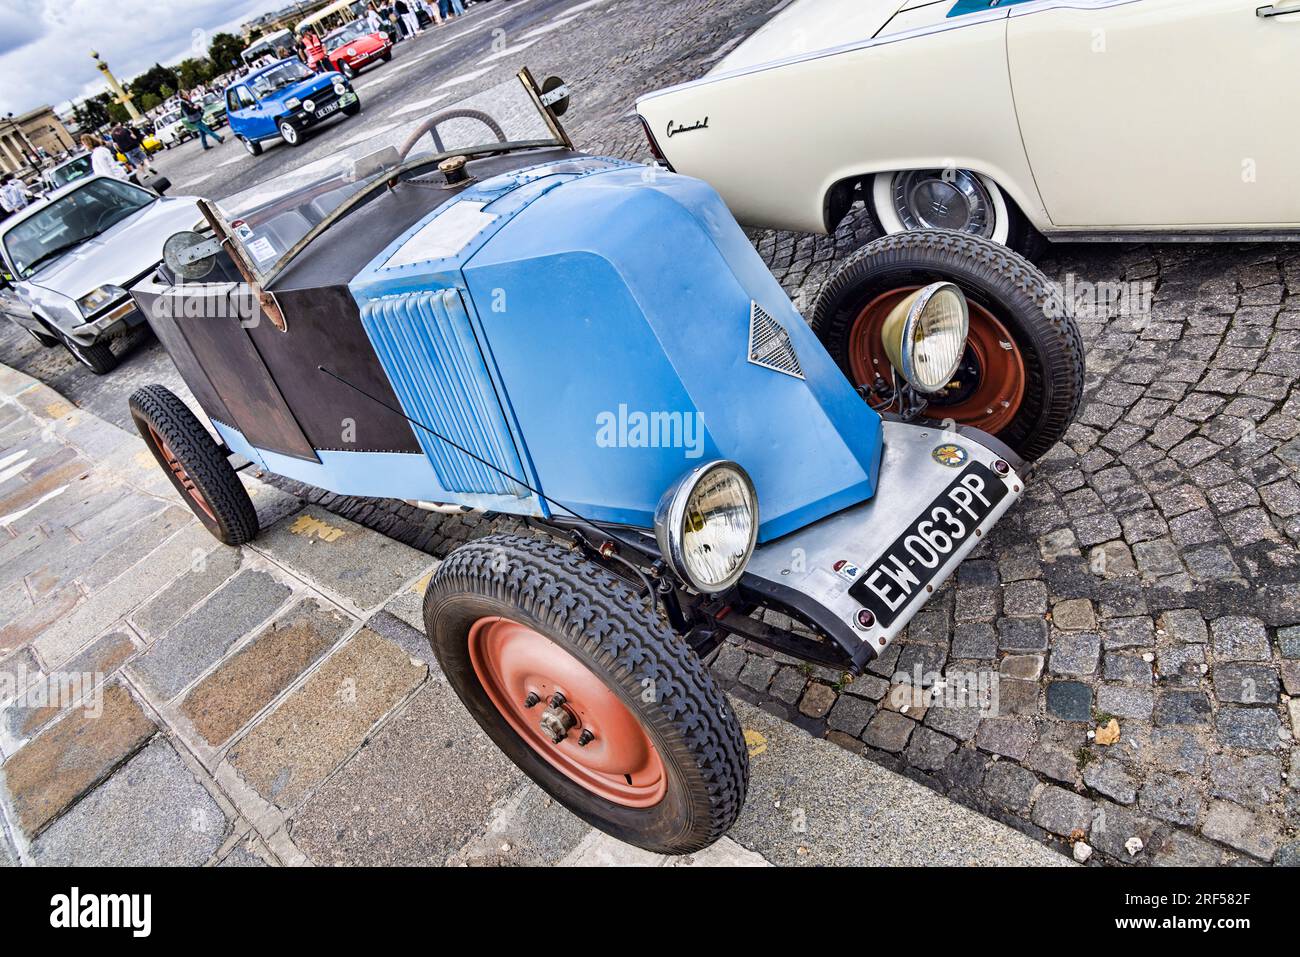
<point x="1093" y="116"/>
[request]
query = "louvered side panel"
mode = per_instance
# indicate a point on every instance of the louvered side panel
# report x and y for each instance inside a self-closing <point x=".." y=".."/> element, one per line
<point x="427" y="347"/>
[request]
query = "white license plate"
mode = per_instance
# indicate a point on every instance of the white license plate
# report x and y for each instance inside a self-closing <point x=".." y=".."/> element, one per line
<point x="325" y="111"/>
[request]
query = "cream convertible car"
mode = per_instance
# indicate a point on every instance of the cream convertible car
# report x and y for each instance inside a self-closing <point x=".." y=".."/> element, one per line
<point x="1078" y="119"/>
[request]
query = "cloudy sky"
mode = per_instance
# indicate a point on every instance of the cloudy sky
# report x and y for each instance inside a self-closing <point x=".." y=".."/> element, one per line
<point x="45" y="44"/>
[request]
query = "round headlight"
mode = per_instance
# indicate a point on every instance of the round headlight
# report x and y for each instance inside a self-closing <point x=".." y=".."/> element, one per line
<point x="925" y="335"/>
<point x="707" y="525"/>
<point x="308" y="105"/>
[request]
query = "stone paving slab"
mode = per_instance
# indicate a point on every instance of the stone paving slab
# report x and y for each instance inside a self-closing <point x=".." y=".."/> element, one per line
<point x="249" y="680"/>
<point x="106" y="607"/>
<point x="322" y="722"/>
<point x="201" y="638"/>
<point x="72" y="756"/>
<point x="812" y="803"/>
<point x="341" y="557"/>
<point x="151" y="812"/>
<point x="416" y="793"/>
<point x="207" y="571"/>
<point x="80" y="676"/>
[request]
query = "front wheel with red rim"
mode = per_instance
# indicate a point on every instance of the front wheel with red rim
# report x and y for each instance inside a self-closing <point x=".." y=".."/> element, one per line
<point x="195" y="464"/>
<point x="572" y="675"/>
<point x="1022" y="375"/>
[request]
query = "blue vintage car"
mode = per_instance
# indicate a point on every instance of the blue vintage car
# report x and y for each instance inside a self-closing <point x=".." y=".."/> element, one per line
<point x="285" y="100"/>
<point x="483" y="316"/>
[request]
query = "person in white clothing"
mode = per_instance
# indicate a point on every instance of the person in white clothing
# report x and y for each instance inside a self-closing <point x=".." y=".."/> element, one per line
<point x="375" y="20"/>
<point x="101" y="157"/>
<point x="13" y="194"/>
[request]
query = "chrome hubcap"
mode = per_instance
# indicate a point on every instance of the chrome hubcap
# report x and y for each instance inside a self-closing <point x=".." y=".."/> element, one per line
<point x="943" y="199"/>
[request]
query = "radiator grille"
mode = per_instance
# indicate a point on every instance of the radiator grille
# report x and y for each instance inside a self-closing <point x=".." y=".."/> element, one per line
<point x="427" y="347"/>
<point x="769" y="344"/>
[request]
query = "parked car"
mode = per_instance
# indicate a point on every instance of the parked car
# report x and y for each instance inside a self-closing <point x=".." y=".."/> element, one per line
<point x="285" y="100"/>
<point x="71" y="169"/>
<point x="507" y="323"/>
<point x="171" y="129"/>
<point x="69" y="259"/>
<point x="214" y="110"/>
<point x="836" y="101"/>
<point x="353" y="47"/>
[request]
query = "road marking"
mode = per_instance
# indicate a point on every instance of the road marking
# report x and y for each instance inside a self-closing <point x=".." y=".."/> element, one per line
<point x="365" y="135"/>
<point x="11" y="458"/>
<point x="509" y="51"/>
<point x="464" y="78"/>
<point x="547" y="28"/>
<point x="12" y="517"/>
<point x="755" y="743"/>
<point x="311" y="526"/>
<point x="420" y="104"/>
<point x="14" y="470"/>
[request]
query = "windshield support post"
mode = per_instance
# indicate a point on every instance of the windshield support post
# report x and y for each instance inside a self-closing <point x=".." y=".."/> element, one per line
<point x="534" y="91"/>
<point x="265" y="299"/>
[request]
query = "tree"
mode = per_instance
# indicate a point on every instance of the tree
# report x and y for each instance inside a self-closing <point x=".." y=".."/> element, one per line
<point x="193" y="71"/>
<point x="224" y="52"/>
<point x="117" y="113"/>
<point x="148" y="101"/>
<point x="91" y="113"/>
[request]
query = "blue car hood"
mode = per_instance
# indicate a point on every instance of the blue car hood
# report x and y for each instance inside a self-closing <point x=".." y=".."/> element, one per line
<point x="597" y="329"/>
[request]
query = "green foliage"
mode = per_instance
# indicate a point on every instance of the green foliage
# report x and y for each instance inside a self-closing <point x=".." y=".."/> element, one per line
<point x="224" y="52"/>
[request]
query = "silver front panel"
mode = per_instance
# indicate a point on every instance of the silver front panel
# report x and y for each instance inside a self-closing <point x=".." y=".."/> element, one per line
<point x="911" y="477"/>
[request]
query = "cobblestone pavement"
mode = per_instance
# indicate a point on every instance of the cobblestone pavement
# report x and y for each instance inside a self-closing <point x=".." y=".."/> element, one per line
<point x="1149" y="576"/>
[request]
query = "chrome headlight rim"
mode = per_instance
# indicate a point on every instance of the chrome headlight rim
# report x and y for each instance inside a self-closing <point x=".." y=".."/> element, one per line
<point x="907" y="348"/>
<point x="100" y="298"/>
<point x="670" y="524"/>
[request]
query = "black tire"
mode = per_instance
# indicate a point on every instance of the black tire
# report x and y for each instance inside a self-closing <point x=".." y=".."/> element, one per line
<point x="347" y="70"/>
<point x="1002" y="281"/>
<point x="599" y="619"/>
<point x="293" y="138"/>
<point x="98" y="358"/>
<point x="254" y="148"/>
<point x="233" y="520"/>
<point x="388" y="55"/>
<point x="352" y="109"/>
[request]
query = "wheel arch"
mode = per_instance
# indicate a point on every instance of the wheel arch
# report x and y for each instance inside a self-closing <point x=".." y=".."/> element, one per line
<point x="843" y="187"/>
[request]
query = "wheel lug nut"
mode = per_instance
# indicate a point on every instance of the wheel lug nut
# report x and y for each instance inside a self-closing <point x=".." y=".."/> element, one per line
<point x="585" y="738"/>
<point x="557" y="700"/>
<point x="531" y="700"/>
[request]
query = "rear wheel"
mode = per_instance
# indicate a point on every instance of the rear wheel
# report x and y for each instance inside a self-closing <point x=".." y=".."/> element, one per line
<point x="195" y="464"/>
<point x="1021" y="377"/>
<point x="347" y="69"/>
<point x="956" y="199"/>
<point x="585" y="689"/>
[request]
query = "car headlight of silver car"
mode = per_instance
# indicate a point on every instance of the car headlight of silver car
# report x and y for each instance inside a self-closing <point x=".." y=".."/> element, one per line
<point x="925" y="335"/>
<point x="95" y="300"/>
<point x="707" y="526"/>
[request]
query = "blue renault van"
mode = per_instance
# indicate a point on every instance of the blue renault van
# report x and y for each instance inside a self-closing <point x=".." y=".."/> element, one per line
<point x="286" y="99"/>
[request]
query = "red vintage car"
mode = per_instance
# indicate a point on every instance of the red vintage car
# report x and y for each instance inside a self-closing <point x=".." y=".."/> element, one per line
<point x="355" y="46"/>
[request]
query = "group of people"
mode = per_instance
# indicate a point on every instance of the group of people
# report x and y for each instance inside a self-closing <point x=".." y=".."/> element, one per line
<point x="405" y="14"/>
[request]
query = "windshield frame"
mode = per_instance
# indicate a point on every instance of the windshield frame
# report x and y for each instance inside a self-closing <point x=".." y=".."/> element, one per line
<point x="331" y="41"/>
<point x="27" y="271"/>
<point x="383" y="180"/>
<point x="260" y="84"/>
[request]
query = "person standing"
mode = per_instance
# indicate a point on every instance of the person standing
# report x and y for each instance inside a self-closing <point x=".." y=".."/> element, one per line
<point x="375" y="20"/>
<point x="102" y="161"/>
<point x="317" y="59"/>
<point x="409" y="20"/>
<point x="431" y="11"/>
<point x="13" y="194"/>
<point x="192" y="117"/>
<point x="129" y="144"/>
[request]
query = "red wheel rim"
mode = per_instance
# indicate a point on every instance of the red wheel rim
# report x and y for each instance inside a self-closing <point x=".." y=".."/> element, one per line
<point x="619" y="763"/>
<point x="181" y="476"/>
<point x="990" y="404"/>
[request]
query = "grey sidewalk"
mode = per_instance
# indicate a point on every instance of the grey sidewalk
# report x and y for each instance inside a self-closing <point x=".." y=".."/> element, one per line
<point x="165" y="699"/>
